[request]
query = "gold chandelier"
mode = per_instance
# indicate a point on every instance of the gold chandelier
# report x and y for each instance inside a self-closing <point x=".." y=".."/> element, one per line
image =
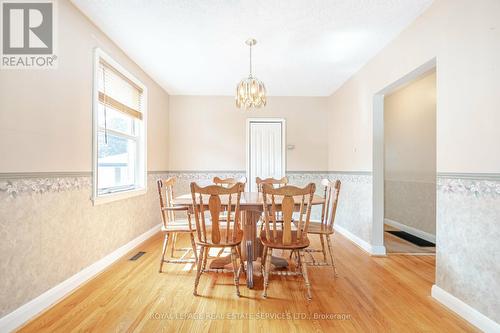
<point x="250" y="92"/>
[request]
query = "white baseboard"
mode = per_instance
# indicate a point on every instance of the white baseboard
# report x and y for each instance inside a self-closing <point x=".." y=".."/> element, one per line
<point x="465" y="311"/>
<point x="29" y="310"/>
<point x="419" y="233"/>
<point x="376" y="250"/>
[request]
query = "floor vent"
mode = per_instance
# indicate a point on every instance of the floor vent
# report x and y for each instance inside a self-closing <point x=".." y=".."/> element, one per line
<point x="411" y="238"/>
<point x="137" y="256"/>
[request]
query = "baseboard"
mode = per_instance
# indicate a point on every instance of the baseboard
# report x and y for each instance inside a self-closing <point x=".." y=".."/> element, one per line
<point x="376" y="250"/>
<point x="465" y="311"/>
<point x="415" y="232"/>
<point x="29" y="310"/>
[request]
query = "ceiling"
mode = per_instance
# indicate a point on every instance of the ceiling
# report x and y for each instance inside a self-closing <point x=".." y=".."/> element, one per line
<point x="304" y="48"/>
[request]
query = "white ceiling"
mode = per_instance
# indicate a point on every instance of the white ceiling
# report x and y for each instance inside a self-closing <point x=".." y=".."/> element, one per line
<point x="305" y="47"/>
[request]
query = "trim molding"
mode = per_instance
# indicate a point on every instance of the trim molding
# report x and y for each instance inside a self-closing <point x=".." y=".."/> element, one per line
<point x="378" y="250"/>
<point x="464" y="310"/>
<point x="452" y="175"/>
<point x="476" y="176"/>
<point x="419" y="233"/>
<point x="24" y="175"/>
<point x="29" y="310"/>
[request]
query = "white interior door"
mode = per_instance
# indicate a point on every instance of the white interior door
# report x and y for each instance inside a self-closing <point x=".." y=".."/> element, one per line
<point x="265" y="150"/>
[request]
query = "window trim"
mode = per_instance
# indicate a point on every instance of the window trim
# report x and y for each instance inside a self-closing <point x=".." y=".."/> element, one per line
<point x="97" y="198"/>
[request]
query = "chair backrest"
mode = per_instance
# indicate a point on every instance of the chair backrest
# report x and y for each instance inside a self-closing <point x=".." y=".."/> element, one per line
<point x="217" y="199"/>
<point x="228" y="182"/>
<point x="273" y="181"/>
<point x="166" y="194"/>
<point x="282" y="201"/>
<point x="331" y="195"/>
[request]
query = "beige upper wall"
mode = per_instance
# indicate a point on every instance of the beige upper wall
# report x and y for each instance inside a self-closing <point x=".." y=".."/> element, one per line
<point x="209" y="132"/>
<point x="463" y="36"/>
<point x="410" y="132"/>
<point x="46" y="115"/>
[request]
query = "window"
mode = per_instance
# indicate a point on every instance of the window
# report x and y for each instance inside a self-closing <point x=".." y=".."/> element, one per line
<point x="119" y="131"/>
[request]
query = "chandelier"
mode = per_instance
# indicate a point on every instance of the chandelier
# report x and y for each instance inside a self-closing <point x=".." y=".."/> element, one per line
<point x="250" y="92"/>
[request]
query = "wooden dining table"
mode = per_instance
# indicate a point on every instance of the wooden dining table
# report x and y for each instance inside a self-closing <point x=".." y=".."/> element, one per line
<point x="251" y="207"/>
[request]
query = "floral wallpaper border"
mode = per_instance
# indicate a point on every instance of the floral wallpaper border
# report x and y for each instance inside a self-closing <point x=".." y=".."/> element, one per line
<point x="469" y="186"/>
<point x="17" y="184"/>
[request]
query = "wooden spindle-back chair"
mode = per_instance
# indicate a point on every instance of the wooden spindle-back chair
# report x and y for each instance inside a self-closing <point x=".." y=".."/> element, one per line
<point x="325" y="227"/>
<point x="228" y="182"/>
<point x="272" y="181"/>
<point x="276" y="183"/>
<point x="173" y="225"/>
<point x="283" y="202"/>
<point x="212" y="200"/>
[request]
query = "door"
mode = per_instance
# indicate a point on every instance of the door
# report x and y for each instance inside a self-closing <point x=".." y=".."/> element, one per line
<point x="265" y="149"/>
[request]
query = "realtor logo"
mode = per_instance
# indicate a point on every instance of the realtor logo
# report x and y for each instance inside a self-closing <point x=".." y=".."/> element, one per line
<point x="28" y="34"/>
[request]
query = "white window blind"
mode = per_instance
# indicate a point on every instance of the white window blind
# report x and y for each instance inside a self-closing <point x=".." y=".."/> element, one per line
<point x="118" y="92"/>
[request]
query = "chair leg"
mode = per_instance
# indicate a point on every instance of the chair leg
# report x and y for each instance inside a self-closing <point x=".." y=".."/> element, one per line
<point x="242" y="265"/>
<point x="198" y="271"/>
<point x="323" y="247"/>
<point x="330" y="250"/>
<point x="165" y="243"/>
<point x="303" y="266"/>
<point x="172" y="249"/>
<point x="236" y="270"/>
<point x="205" y="257"/>
<point x="267" y="269"/>
<point x="264" y="257"/>
<point x="193" y="245"/>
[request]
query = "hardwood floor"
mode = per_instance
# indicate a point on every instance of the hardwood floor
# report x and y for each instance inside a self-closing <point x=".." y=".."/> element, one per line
<point x="371" y="294"/>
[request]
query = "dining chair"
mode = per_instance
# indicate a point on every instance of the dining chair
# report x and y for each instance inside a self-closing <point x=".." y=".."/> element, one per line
<point x="172" y="225"/>
<point x="228" y="182"/>
<point x="275" y="183"/>
<point x="224" y="233"/>
<point x="284" y="200"/>
<point x="324" y="227"/>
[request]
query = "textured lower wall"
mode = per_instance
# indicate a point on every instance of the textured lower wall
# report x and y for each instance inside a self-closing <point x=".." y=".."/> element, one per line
<point x="412" y="204"/>
<point x="50" y="230"/>
<point x="468" y="242"/>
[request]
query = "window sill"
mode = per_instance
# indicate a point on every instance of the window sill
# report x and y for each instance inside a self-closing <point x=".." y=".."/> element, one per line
<point x="106" y="198"/>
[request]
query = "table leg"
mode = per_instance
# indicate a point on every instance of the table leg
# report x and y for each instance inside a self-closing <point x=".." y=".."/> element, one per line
<point x="250" y="247"/>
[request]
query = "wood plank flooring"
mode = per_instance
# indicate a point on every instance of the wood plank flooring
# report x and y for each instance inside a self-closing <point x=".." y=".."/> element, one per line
<point x="371" y="294"/>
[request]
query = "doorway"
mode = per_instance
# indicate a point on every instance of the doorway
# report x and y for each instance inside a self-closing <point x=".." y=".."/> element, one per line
<point x="378" y="195"/>
<point x="265" y="149"/>
<point x="410" y="167"/>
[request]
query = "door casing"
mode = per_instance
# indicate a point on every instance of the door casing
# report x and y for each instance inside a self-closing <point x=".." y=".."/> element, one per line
<point x="282" y="121"/>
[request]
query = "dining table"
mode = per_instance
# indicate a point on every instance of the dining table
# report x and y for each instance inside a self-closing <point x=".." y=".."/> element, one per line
<point x="251" y="207"/>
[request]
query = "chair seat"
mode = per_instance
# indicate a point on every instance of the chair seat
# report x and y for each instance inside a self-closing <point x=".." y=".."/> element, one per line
<point x="237" y="241"/>
<point x="180" y="225"/>
<point x="278" y="244"/>
<point x="316" y="227"/>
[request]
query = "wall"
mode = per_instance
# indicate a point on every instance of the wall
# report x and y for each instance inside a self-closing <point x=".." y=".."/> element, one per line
<point x="209" y="132"/>
<point x="48" y="226"/>
<point x="463" y="37"/>
<point x="410" y="154"/>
